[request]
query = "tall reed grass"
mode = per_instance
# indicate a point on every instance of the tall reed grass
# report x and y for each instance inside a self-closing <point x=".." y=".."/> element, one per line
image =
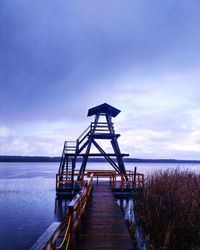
<point x="169" y="210"/>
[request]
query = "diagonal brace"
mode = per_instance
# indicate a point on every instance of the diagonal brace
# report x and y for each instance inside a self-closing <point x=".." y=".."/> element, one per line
<point x="106" y="156"/>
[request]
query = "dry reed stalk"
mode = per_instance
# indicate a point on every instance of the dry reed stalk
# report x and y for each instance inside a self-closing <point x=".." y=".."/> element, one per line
<point x="169" y="210"/>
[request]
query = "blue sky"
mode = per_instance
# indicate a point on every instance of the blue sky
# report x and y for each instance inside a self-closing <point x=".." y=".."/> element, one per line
<point x="60" y="58"/>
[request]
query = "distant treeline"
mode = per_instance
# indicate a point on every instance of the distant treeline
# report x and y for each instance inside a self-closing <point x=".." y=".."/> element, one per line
<point x="5" y="158"/>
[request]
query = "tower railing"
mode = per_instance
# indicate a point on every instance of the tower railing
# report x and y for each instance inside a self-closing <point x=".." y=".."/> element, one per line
<point x="102" y="127"/>
<point x="84" y="134"/>
<point x="62" y="158"/>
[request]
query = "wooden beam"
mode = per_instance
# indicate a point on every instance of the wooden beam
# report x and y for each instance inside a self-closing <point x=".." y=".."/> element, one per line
<point x="98" y="154"/>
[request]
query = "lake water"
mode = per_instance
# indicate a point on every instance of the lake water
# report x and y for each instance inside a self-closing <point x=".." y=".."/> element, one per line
<point x="28" y="202"/>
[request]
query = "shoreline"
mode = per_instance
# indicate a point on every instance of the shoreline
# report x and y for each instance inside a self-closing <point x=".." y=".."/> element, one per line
<point x="6" y="158"/>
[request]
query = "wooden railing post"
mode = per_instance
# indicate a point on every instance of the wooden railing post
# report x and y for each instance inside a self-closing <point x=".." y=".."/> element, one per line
<point x="134" y="180"/>
<point x="112" y="176"/>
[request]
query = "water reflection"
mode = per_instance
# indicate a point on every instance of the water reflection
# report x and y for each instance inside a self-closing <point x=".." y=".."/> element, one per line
<point x="127" y="207"/>
<point x="61" y="207"/>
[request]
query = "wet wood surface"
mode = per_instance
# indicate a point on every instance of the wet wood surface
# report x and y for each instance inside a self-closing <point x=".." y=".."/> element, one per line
<point x="103" y="225"/>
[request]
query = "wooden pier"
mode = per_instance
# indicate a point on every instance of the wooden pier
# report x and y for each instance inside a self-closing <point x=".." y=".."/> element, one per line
<point x="103" y="225"/>
<point x="93" y="220"/>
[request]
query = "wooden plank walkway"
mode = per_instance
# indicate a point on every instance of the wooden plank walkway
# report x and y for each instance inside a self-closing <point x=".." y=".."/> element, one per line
<point x="103" y="225"/>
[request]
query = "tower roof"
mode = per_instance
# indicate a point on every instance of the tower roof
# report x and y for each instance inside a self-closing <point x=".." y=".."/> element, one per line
<point x="105" y="109"/>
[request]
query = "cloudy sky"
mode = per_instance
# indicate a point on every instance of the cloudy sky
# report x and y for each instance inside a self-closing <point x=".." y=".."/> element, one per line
<point x="60" y="58"/>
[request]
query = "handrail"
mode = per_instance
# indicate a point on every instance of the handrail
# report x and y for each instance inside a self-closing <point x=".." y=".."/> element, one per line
<point x="66" y="149"/>
<point x="102" y="126"/>
<point x="81" y="138"/>
<point x="64" y="178"/>
<point x="62" y="157"/>
<point x="102" y="174"/>
<point x="75" y="209"/>
<point x="66" y="234"/>
<point x="131" y="179"/>
<point x="84" y="132"/>
<point x="76" y="174"/>
<point x="69" y="146"/>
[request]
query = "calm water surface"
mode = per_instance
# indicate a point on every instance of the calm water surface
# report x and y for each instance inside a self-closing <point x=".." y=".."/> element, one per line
<point x="28" y="203"/>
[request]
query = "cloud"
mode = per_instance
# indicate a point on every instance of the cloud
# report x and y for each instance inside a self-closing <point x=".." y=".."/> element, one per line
<point x="6" y="132"/>
<point x="39" y="139"/>
<point x="32" y="145"/>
